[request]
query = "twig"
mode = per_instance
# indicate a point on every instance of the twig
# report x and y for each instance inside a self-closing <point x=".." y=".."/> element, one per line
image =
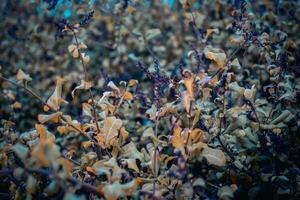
<point x="86" y="79"/>
<point x="31" y="92"/>
<point x="27" y="90"/>
<point x="47" y="173"/>
<point x="254" y="111"/>
<point x="155" y="155"/>
<point x="85" y="186"/>
<point x="220" y="128"/>
<point x="120" y="102"/>
<point x="189" y="119"/>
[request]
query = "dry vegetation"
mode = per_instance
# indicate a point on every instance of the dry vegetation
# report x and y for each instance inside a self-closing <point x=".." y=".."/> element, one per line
<point x="149" y="100"/>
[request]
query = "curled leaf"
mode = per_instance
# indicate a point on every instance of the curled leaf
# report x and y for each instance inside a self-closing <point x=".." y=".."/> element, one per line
<point x="49" y="118"/>
<point x="186" y="100"/>
<point x="188" y="79"/>
<point x="55" y="100"/>
<point x="216" y="56"/>
<point x="114" y="88"/>
<point x="84" y="85"/>
<point x="22" y="76"/>
<point x="210" y="31"/>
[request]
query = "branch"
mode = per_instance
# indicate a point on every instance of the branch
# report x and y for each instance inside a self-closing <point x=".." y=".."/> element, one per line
<point x="31" y="92"/>
<point x="86" y="78"/>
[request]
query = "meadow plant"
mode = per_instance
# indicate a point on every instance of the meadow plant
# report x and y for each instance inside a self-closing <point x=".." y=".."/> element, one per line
<point x="150" y="100"/>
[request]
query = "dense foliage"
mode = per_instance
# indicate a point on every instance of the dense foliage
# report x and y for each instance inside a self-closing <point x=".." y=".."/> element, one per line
<point x="145" y="99"/>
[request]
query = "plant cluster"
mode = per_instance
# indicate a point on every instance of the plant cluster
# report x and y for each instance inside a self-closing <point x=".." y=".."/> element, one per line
<point x="150" y="100"/>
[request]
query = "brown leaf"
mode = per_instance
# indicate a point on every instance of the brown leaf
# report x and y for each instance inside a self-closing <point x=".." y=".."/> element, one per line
<point x="131" y="164"/>
<point x="114" y="88"/>
<point x="249" y="94"/>
<point x="22" y="76"/>
<point x="128" y="96"/>
<point x="217" y="56"/>
<point x="87" y="144"/>
<point x="214" y="156"/>
<point x="210" y="31"/>
<point x="49" y="118"/>
<point x="177" y="140"/>
<point x="111" y="128"/>
<point x="186" y="100"/>
<point x="117" y="190"/>
<point x="55" y="99"/>
<point x="132" y="82"/>
<point x="84" y="85"/>
<point x="87" y="109"/>
<point x="188" y="79"/>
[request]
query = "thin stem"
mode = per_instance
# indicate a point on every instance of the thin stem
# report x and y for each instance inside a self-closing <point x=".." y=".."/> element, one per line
<point x="120" y="102"/>
<point x="86" y="79"/>
<point x="189" y="124"/>
<point x="47" y="173"/>
<point x="85" y="186"/>
<point x="254" y="111"/>
<point x="220" y="128"/>
<point x="31" y="92"/>
<point x="27" y="90"/>
<point x="155" y="155"/>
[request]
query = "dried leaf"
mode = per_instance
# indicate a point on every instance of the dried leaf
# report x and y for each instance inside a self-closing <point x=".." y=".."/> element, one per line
<point x="214" y="156"/>
<point x="84" y="85"/>
<point x="115" y="89"/>
<point x="130" y="9"/>
<point x="46" y="153"/>
<point x="215" y="55"/>
<point x="55" y="100"/>
<point x="225" y="193"/>
<point x="177" y="140"/>
<point x="85" y="58"/>
<point x="22" y="76"/>
<point x="49" y="118"/>
<point x="87" y="144"/>
<point x="128" y="96"/>
<point x="16" y="105"/>
<point x="249" y="94"/>
<point x="21" y="151"/>
<point x="152" y="33"/>
<point x="186" y="101"/>
<point x="131" y="164"/>
<point x="66" y="164"/>
<point x="111" y="128"/>
<point x="210" y="31"/>
<point x="132" y="82"/>
<point x="130" y="151"/>
<point x="91" y="170"/>
<point x="188" y="79"/>
<point x="117" y="190"/>
<point x="87" y="109"/>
